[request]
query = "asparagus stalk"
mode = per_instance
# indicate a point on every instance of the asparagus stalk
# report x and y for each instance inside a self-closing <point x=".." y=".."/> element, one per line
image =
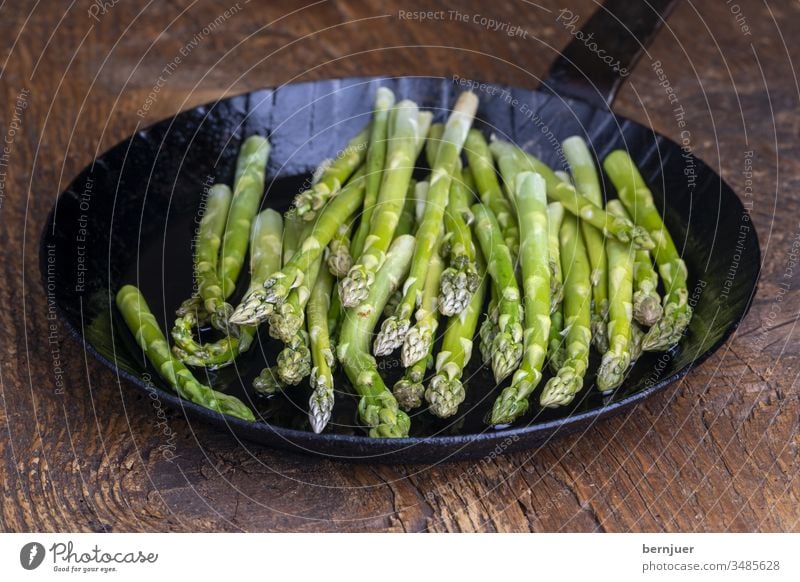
<point x="561" y="388"/>
<point x="638" y="200"/>
<point x="584" y="173"/>
<point x="320" y="405"/>
<point x="555" y="351"/>
<point x="143" y="325"/>
<point x="430" y="229"/>
<point x="209" y="240"/>
<point x="616" y="360"/>
<point x="378" y="408"/>
<point x="460" y="279"/>
<point x="339" y="259"/>
<point x="407" y="133"/>
<point x="445" y="390"/>
<point x="433" y="142"/>
<point x="257" y="307"/>
<point x="331" y="176"/>
<point x="419" y="339"/>
<point x="376" y="160"/>
<point x="531" y="200"/>
<point x="647" y="308"/>
<point x="574" y="202"/>
<point x="247" y="191"/>
<point x="482" y="170"/>
<point x="507" y="344"/>
<point x="555" y="216"/>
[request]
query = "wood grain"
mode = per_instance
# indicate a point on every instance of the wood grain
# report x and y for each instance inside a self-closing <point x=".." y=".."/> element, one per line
<point x="717" y="451"/>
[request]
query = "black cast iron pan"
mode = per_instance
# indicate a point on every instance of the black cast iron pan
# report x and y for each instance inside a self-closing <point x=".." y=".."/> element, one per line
<point x="129" y="217"/>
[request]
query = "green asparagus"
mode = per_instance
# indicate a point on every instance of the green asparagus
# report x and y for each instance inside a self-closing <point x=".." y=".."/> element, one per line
<point x="407" y="134"/>
<point x="587" y="182"/>
<point x="419" y="339"/>
<point x="247" y="191"/>
<point x="376" y="160"/>
<point x="320" y="405"/>
<point x="331" y="175"/>
<point x="460" y="279"/>
<point x="377" y="408"/>
<point x="617" y="358"/>
<point x="531" y="201"/>
<point x="507" y="344"/>
<point x="445" y="390"/>
<point x="294" y="360"/>
<point x="145" y="329"/>
<point x="561" y="388"/>
<point x="638" y="200"/>
<point x="482" y="170"/>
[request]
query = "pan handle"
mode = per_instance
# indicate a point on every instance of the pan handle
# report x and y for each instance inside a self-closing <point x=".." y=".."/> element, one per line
<point x="605" y="49"/>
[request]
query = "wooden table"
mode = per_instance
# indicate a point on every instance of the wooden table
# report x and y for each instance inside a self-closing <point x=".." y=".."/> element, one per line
<point x="717" y="451"/>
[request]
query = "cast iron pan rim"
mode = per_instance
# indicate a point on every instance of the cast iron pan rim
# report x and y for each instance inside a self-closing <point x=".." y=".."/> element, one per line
<point x="291" y="436"/>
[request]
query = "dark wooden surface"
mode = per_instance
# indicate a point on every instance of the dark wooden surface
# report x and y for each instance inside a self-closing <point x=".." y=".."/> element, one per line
<point x="716" y="452"/>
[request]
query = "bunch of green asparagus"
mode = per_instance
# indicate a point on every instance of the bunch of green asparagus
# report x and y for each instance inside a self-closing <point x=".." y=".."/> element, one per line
<point x="370" y="261"/>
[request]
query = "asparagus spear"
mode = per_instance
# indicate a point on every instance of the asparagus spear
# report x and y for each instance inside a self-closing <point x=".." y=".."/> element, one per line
<point x="145" y="329"/>
<point x="407" y="133"/>
<point x="460" y="279"/>
<point x="320" y="405"/>
<point x="331" y="176"/>
<point x="555" y="351"/>
<point x="419" y="339"/>
<point x="247" y="191"/>
<point x="378" y="408"/>
<point x="482" y="169"/>
<point x="339" y="259"/>
<point x="209" y="240"/>
<point x="616" y="360"/>
<point x="638" y="200"/>
<point x="647" y="308"/>
<point x="410" y="389"/>
<point x="430" y="229"/>
<point x="577" y="204"/>
<point x="256" y="308"/>
<point x="376" y="160"/>
<point x="584" y="173"/>
<point x="531" y="200"/>
<point x="507" y="344"/>
<point x="561" y="388"/>
<point x="445" y="390"/>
